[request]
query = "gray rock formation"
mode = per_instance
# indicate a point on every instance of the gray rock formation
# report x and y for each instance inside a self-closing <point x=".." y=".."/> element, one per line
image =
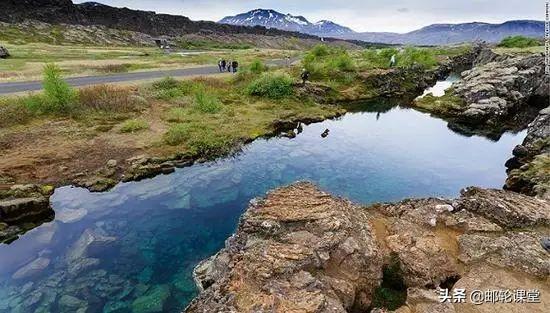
<point x="503" y="91"/>
<point x="23" y="207"/>
<point x="301" y="250"/>
<point x="4" y="53"/>
<point x="297" y="250"/>
<point x="528" y="170"/>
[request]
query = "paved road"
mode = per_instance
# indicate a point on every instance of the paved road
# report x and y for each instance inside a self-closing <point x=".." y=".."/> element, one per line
<point x="8" y="88"/>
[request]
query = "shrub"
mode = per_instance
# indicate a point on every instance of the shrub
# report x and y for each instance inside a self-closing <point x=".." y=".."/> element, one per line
<point x="169" y="94"/>
<point x="519" y="42"/>
<point x="169" y="88"/>
<point x="207" y="103"/>
<point x="59" y="97"/>
<point x="13" y="112"/>
<point x="273" y="86"/>
<point x="176" y="134"/>
<point x="110" y="99"/>
<point x="166" y="83"/>
<point x="114" y="68"/>
<point x="257" y="67"/>
<point x="324" y="62"/>
<point x="405" y="58"/>
<point x="134" y="125"/>
<point x="208" y="144"/>
<point x="176" y="115"/>
<point x="320" y="51"/>
<point x="417" y="56"/>
<point x="343" y="62"/>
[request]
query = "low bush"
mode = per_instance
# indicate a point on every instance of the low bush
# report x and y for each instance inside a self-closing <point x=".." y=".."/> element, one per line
<point x="169" y="88"/>
<point x="177" y="134"/>
<point x="13" y="112"/>
<point x="380" y="58"/>
<point x="166" y="83"/>
<point x="176" y="115"/>
<point x="110" y="99"/>
<point x="114" y="68"/>
<point x="134" y="125"/>
<point x="328" y="63"/>
<point x="257" y="67"/>
<point x="273" y="86"/>
<point x="206" y="102"/>
<point x="518" y="42"/>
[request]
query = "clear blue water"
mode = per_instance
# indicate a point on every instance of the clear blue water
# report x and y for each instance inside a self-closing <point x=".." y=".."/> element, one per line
<point x="133" y="249"/>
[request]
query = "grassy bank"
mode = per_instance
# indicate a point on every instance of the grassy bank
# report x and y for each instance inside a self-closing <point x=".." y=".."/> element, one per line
<point x="78" y="131"/>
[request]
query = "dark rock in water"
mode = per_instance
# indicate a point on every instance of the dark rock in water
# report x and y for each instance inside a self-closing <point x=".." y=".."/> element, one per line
<point x="24" y="210"/>
<point x="325" y="133"/>
<point x="545" y="242"/>
<point x="520" y="151"/>
<point x="4" y="53"/>
<point x="300" y="128"/>
<point x="289" y="134"/>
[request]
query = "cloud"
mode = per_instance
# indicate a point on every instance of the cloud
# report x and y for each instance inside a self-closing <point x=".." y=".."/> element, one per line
<point x="403" y="10"/>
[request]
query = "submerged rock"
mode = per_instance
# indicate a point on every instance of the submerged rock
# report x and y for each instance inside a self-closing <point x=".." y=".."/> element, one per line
<point x="301" y="250"/>
<point x="31" y="269"/>
<point x="152" y="301"/>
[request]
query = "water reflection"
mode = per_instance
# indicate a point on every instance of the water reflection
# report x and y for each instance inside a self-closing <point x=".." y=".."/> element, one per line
<point x="133" y="249"/>
<point x="438" y="90"/>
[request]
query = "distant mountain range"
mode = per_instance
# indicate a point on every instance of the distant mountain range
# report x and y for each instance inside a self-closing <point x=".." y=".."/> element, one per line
<point x="441" y="34"/>
<point x="288" y="22"/>
<point x="436" y="34"/>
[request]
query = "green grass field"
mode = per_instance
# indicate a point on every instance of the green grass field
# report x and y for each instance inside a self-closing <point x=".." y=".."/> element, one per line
<point x="27" y="60"/>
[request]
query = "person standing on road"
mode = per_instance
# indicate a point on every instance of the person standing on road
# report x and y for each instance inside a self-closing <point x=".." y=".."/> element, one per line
<point x="229" y="66"/>
<point x="224" y="64"/>
<point x="235" y="66"/>
<point x="220" y="65"/>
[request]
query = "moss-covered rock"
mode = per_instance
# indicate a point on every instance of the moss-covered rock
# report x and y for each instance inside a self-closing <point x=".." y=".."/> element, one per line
<point x="446" y="106"/>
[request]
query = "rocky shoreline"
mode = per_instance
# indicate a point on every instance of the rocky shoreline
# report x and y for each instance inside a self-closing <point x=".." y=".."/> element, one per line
<point x="23" y="207"/>
<point x="504" y="93"/>
<point x="302" y="250"/>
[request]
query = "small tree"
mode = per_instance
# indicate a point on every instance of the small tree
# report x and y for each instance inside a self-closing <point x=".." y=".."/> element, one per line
<point x="59" y="96"/>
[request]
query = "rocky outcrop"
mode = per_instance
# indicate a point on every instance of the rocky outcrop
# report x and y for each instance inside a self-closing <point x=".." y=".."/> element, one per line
<point x="23" y="207"/>
<point x="302" y="250"/>
<point x="297" y="250"/>
<point x="504" y="94"/>
<point x="529" y="169"/>
<point x="4" y="53"/>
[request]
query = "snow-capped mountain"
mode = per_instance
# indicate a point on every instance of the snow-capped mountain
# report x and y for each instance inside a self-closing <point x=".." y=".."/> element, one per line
<point x="274" y="19"/>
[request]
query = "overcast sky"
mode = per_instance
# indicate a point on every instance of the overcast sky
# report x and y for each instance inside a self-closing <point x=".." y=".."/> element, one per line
<point x="360" y="15"/>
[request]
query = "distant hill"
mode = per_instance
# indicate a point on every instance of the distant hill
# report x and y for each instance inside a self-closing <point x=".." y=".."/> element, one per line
<point x="441" y="34"/>
<point x="93" y="13"/>
<point x="288" y="22"/>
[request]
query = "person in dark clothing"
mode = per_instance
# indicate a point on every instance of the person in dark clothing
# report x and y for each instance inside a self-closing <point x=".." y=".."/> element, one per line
<point x="235" y="66"/>
<point x="220" y="66"/>
<point x="229" y="66"/>
<point x="305" y="76"/>
<point x="224" y="64"/>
